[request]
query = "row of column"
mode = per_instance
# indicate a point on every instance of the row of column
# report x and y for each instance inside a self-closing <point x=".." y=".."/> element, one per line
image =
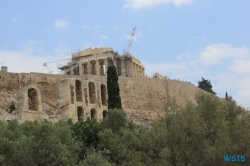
<point x="100" y="67"/>
<point x="137" y="70"/>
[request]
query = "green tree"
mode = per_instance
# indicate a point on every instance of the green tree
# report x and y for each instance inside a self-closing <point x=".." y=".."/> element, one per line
<point x="226" y="96"/>
<point x="33" y="143"/>
<point x="120" y="148"/>
<point x="85" y="132"/>
<point x="114" y="99"/>
<point x="206" y="85"/>
<point x="115" y="121"/>
<point x="95" y="159"/>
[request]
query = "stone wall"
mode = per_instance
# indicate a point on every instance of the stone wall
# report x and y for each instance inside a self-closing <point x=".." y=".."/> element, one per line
<point x="142" y="98"/>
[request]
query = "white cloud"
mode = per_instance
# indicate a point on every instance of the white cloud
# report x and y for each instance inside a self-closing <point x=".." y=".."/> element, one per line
<point x="129" y="36"/>
<point x="243" y="96"/>
<point x="24" y="62"/>
<point x="104" y="37"/>
<point x="87" y="44"/>
<point x="32" y="47"/>
<point x="215" y="53"/>
<point x="14" y="19"/>
<point x="17" y="18"/>
<point x="61" y="23"/>
<point x="32" y="57"/>
<point x="138" y="4"/>
<point x="241" y="66"/>
<point x="166" y="68"/>
<point x="115" y="27"/>
<point x="232" y="75"/>
<point x="85" y="27"/>
<point x="97" y="27"/>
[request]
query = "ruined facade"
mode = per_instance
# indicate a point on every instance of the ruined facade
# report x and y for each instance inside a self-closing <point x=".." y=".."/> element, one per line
<point x="80" y="99"/>
<point x="29" y="104"/>
<point x="81" y="92"/>
<point x="96" y="62"/>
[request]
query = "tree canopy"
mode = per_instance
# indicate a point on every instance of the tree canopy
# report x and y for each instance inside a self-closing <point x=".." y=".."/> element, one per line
<point x="206" y="85"/>
<point x="197" y="134"/>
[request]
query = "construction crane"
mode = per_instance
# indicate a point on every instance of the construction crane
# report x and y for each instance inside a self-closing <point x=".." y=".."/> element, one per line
<point x="129" y="44"/>
<point x="45" y="64"/>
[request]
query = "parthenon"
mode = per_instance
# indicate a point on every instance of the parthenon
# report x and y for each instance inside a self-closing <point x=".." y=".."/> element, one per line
<point x="96" y="61"/>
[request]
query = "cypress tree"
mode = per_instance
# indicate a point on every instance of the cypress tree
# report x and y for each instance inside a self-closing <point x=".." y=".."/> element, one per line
<point x="114" y="99"/>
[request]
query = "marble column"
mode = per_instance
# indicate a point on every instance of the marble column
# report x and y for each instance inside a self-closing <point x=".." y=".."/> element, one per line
<point x="85" y="68"/>
<point x="106" y="66"/>
<point x="97" y="68"/>
<point x="123" y="69"/>
<point x="131" y="68"/>
<point x="71" y="71"/>
<point x="101" y="62"/>
<point x="80" y="69"/>
<point x="134" y="69"/>
<point x="115" y="63"/>
<point x="89" y="66"/>
<point x="141" y="71"/>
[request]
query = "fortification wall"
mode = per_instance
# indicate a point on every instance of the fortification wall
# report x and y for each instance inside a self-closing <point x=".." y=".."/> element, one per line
<point x="142" y="98"/>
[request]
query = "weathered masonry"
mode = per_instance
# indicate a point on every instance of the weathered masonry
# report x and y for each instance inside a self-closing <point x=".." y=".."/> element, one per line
<point x="80" y="99"/>
<point x="96" y="62"/>
<point x="29" y="104"/>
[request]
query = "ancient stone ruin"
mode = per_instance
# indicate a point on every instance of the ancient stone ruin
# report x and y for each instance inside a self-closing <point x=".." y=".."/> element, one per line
<point x="81" y="91"/>
<point x="29" y="104"/>
<point x="79" y="99"/>
<point x="96" y="62"/>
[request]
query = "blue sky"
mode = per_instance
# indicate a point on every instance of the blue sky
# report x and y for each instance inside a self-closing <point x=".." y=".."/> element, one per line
<point x="181" y="39"/>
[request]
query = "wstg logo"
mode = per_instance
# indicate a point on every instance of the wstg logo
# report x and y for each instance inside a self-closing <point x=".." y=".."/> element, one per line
<point x="239" y="158"/>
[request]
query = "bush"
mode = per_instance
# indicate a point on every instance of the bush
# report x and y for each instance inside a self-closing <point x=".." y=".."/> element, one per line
<point x="35" y="143"/>
<point x="95" y="159"/>
<point x="115" y="121"/>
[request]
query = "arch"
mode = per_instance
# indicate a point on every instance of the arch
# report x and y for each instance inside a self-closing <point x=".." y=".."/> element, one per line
<point x="91" y="92"/>
<point x="80" y="113"/>
<point x="33" y="99"/>
<point x="103" y="94"/>
<point x="93" y="113"/>
<point x="104" y="114"/>
<point x="78" y="90"/>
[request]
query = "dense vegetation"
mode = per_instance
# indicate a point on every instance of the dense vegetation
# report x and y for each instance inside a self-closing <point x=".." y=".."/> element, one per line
<point x="194" y="135"/>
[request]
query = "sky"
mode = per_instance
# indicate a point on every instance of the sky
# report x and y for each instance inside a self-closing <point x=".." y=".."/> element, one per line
<point x="180" y="39"/>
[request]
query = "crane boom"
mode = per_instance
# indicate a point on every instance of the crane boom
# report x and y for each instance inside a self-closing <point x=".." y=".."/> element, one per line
<point x="45" y="64"/>
<point x="130" y="40"/>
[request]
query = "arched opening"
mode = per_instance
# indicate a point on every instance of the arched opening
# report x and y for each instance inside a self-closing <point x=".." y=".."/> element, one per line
<point x="104" y="114"/>
<point x="92" y="92"/>
<point x="33" y="99"/>
<point x="92" y="113"/>
<point x="78" y="86"/>
<point x="103" y="95"/>
<point x="80" y="113"/>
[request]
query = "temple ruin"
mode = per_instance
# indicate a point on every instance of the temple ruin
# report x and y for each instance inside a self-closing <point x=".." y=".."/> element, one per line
<point x="96" y="61"/>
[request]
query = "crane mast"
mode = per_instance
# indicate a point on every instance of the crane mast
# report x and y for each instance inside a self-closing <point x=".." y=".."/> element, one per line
<point x="130" y="40"/>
